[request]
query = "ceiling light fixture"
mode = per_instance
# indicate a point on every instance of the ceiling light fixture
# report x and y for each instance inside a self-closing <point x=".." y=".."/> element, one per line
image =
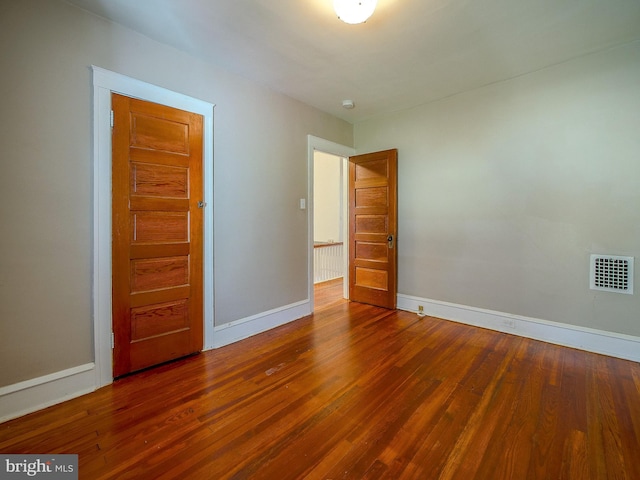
<point x="354" y="11"/>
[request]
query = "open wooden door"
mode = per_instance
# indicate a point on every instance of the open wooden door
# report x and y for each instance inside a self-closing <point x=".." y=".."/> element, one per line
<point x="157" y="230"/>
<point x="372" y="228"/>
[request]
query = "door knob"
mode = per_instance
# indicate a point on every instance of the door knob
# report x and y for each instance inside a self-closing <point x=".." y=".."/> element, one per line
<point x="390" y="240"/>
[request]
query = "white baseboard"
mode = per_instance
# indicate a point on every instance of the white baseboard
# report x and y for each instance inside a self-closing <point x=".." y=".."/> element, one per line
<point x="42" y="392"/>
<point x="38" y="393"/>
<point x="588" y="339"/>
<point x="246" y="327"/>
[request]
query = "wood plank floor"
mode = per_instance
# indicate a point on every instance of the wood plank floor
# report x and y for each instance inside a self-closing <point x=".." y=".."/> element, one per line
<point x="358" y="392"/>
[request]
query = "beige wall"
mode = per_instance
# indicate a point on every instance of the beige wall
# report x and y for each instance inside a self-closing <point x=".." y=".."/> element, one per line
<point x="260" y="157"/>
<point x="505" y="191"/>
<point x="327" y="194"/>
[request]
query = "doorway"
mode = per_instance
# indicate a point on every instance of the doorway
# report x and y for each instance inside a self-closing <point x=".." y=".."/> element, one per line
<point x="104" y="83"/>
<point x="371" y="267"/>
<point x="321" y="147"/>
<point x="330" y="253"/>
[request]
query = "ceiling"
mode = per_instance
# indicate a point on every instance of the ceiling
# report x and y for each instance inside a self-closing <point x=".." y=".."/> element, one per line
<point x="410" y="52"/>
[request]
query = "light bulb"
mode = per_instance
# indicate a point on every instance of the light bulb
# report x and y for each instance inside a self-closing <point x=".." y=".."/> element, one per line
<point x="354" y="11"/>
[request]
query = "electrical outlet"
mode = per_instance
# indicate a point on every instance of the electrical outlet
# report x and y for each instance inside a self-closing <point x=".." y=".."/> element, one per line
<point x="509" y="322"/>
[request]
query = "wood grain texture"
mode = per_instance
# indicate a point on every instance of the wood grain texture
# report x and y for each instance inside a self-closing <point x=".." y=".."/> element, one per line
<point x="361" y="392"/>
<point x="156" y="273"/>
<point x="373" y="192"/>
<point x="159" y="227"/>
<point x="159" y="181"/>
<point x="157" y="233"/>
<point x="376" y="224"/>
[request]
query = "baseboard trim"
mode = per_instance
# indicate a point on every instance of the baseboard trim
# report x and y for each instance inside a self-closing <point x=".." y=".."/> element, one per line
<point x="38" y="393"/>
<point x="246" y="327"/>
<point x="591" y="340"/>
<point x="31" y="395"/>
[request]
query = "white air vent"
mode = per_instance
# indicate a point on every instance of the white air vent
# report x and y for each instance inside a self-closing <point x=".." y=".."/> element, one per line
<point x="611" y="273"/>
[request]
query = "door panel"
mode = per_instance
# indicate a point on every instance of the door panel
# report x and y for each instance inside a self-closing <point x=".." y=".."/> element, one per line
<point x="159" y="180"/>
<point x="371" y="224"/>
<point x="372" y="221"/>
<point x="150" y="321"/>
<point x="159" y="228"/>
<point x="372" y="197"/>
<point x="371" y="278"/>
<point x="157" y="234"/>
<point x="156" y="274"/>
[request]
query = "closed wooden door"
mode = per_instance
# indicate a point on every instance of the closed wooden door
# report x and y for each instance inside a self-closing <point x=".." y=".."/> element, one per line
<point x="373" y="228"/>
<point x="157" y="234"/>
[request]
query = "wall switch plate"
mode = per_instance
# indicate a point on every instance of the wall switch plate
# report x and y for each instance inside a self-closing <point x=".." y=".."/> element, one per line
<point x="303" y="203"/>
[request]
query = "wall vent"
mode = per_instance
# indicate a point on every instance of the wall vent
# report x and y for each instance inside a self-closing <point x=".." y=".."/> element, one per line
<point x="611" y="273"/>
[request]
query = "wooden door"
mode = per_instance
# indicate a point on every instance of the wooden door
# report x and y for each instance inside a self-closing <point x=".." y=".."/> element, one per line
<point x="372" y="228"/>
<point x="157" y="234"/>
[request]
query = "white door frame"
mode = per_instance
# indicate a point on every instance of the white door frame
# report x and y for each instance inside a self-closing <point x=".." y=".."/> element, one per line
<point x="326" y="146"/>
<point x="104" y="83"/>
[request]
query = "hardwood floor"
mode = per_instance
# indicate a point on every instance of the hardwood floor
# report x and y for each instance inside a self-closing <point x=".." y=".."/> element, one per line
<point x="327" y="294"/>
<point x="360" y="392"/>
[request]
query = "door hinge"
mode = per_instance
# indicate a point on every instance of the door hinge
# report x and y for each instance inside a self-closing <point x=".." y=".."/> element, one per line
<point x="113" y="340"/>
<point x="111" y="118"/>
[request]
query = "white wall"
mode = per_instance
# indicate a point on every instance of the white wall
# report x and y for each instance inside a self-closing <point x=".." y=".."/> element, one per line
<point x="505" y="191"/>
<point x="327" y="194"/>
<point x="260" y="173"/>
